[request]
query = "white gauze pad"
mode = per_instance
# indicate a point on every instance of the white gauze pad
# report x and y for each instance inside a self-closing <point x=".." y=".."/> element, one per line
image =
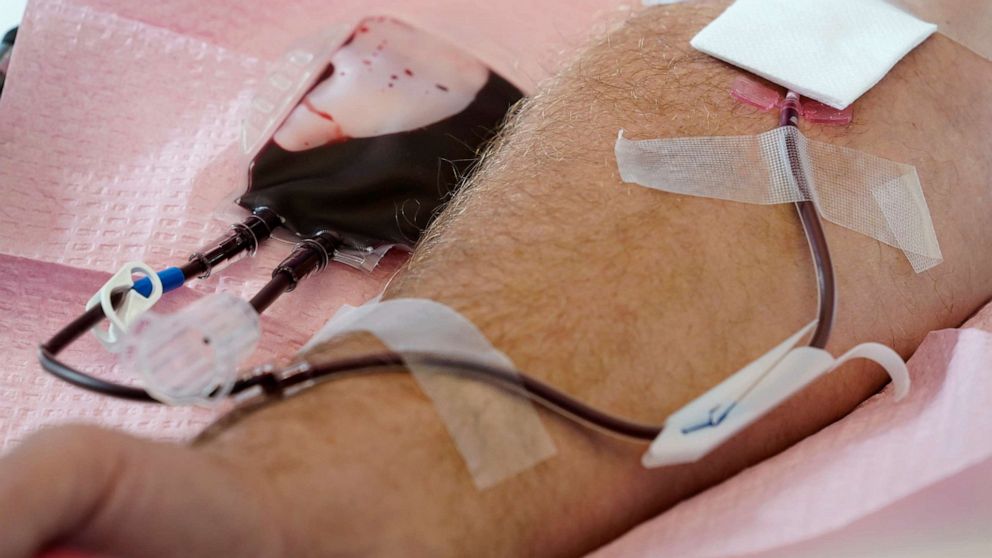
<point x="498" y="434"/>
<point x="876" y="197"/>
<point x="832" y="51"/>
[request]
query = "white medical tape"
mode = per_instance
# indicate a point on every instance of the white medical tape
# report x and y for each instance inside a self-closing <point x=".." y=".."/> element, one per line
<point x="498" y="434"/>
<point x="967" y="23"/>
<point x="740" y="400"/>
<point x="129" y="308"/>
<point x="876" y="197"/>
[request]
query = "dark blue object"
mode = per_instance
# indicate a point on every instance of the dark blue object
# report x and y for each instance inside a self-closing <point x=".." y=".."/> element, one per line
<point x="172" y="278"/>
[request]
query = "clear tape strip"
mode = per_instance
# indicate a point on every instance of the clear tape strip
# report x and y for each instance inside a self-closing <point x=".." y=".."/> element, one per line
<point x="362" y="259"/>
<point x="966" y="22"/>
<point x="498" y="434"/>
<point x="876" y="197"/>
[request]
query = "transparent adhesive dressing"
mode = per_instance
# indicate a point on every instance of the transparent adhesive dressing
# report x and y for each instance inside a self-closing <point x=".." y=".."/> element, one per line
<point x="876" y="197"/>
<point x="966" y="22"/>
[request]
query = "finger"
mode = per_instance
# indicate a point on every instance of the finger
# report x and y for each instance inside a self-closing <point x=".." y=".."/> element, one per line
<point x="115" y="495"/>
<point x="50" y="482"/>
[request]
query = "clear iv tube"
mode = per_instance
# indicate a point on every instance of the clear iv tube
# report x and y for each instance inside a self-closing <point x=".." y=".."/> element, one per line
<point x="306" y="259"/>
<point x="813" y="227"/>
<point x="815" y="238"/>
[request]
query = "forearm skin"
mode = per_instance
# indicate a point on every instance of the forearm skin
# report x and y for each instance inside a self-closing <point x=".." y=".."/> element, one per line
<point x="633" y="300"/>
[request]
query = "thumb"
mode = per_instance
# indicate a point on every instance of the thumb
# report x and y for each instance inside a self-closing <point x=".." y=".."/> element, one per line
<point x="112" y="494"/>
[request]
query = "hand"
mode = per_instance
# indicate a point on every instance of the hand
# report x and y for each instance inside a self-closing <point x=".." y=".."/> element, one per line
<point x="111" y="494"/>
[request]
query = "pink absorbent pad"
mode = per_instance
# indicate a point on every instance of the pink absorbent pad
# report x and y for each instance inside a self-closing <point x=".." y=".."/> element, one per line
<point x="118" y="126"/>
<point x="848" y="475"/>
<point x="113" y="124"/>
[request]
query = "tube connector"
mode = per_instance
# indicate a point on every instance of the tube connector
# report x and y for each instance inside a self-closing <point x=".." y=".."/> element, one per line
<point x="310" y="256"/>
<point x="191" y="357"/>
<point x="765" y="99"/>
<point x="791" y="110"/>
<point x="243" y="238"/>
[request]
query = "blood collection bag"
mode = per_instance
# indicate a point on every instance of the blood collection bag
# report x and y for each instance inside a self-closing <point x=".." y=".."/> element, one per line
<point x="391" y="120"/>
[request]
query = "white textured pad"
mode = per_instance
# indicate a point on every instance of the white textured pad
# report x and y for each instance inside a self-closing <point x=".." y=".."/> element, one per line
<point x="829" y="50"/>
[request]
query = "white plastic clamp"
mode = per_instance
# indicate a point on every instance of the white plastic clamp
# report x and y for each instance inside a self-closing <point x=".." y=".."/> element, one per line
<point x="133" y="305"/>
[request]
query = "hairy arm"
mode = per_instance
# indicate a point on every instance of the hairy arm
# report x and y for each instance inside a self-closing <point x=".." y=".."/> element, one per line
<point x="633" y="300"/>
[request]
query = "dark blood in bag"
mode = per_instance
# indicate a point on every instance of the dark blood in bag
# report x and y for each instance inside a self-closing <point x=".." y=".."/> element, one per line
<point x="378" y="146"/>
